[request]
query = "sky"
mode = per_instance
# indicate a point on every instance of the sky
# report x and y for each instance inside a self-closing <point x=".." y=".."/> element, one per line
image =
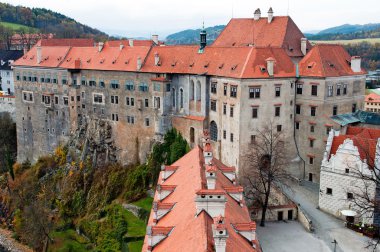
<point x="146" y="17"/>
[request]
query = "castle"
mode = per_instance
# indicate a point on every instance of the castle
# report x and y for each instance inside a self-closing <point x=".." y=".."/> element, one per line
<point x="259" y="71"/>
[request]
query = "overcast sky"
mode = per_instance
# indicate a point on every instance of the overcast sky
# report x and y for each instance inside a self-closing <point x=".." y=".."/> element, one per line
<point x="145" y="17"/>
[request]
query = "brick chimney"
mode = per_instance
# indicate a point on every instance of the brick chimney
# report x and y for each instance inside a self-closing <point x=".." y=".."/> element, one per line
<point x="100" y="46"/>
<point x="304" y="46"/>
<point x="39" y="54"/>
<point x="211" y="176"/>
<point x="270" y="66"/>
<point x="257" y="14"/>
<point x="156" y="59"/>
<point x="220" y="234"/>
<point x="155" y="39"/>
<point x="270" y="15"/>
<point x="356" y="64"/>
<point x="131" y="42"/>
<point x="139" y="63"/>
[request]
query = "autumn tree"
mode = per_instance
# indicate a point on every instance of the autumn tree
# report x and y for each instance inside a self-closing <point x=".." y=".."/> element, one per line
<point x="266" y="168"/>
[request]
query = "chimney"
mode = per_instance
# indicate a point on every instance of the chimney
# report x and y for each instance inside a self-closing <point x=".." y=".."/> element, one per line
<point x="155" y="39"/>
<point x="257" y="14"/>
<point x="139" y="63"/>
<point x="220" y="234"/>
<point x="270" y="66"/>
<point x="156" y="59"/>
<point x="303" y="45"/>
<point x="356" y="64"/>
<point x="39" y="54"/>
<point x="131" y="42"/>
<point x="100" y="46"/>
<point x="207" y="153"/>
<point x="270" y="15"/>
<point x="121" y="46"/>
<point x="211" y="176"/>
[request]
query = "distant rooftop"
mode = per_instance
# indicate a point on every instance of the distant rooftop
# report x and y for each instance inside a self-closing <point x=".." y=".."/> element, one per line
<point x="357" y="117"/>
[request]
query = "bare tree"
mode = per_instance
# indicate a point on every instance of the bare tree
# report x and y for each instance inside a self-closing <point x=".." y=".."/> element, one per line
<point x="266" y="167"/>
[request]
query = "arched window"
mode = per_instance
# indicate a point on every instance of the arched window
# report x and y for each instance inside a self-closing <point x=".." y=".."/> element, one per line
<point x="181" y="97"/>
<point x="173" y="97"/>
<point x="213" y="131"/>
<point x="192" y="90"/>
<point x="199" y="93"/>
<point x="192" y="137"/>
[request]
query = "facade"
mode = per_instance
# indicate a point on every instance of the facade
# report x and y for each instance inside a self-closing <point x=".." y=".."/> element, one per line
<point x="199" y="207"/>
<point x="249" y="78"/>
<point x="7" y="58"/>
<point x="372" y="103"/>
<point x="347" y="158"/>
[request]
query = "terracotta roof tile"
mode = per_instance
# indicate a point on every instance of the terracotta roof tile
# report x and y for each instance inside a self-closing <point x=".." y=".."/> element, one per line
<point x="372" y="97"/>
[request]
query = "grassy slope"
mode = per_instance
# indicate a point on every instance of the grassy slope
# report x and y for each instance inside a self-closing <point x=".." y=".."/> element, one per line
<point x="344" y="42"/>
<point x="145" y="203"/>
<point x="17" y="26"/>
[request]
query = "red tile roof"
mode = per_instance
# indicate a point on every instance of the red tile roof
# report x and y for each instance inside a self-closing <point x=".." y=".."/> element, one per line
<point x="193" y="232"/>
<point x="365" y="139"/>
<point x="372" y="97"/>
<point x="326" y="60"/>
<point x="67" y="42"/>
<point x="282" y="32"/>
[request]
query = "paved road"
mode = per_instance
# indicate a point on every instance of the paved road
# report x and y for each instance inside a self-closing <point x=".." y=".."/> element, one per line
<point x="327" y="227"/>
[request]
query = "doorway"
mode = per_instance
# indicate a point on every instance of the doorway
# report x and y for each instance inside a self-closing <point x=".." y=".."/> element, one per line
<point x="280" y="215"/>
<point x="311" y="177"/>
<point x="290" y="214"/>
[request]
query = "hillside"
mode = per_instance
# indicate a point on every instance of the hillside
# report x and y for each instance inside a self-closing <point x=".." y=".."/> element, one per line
<point x="348" y="28"/>
<point x="28" y="20"/>
<point x="192" y="36"/>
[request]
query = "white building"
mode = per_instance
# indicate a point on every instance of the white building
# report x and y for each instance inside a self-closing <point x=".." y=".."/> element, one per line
<point x="7" y="57"/>
<point x="348" y="157"/>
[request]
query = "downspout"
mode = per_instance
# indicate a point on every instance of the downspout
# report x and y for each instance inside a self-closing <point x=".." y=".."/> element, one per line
<point x="294" y="121"/>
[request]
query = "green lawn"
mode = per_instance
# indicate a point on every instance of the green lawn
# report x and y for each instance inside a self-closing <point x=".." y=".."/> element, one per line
<point x="135" y="246"/>
<point x="17" y="26"/>
<point x="136" y="227"/>
<point x="145" y="203"/>
<point x="68" y="240"/>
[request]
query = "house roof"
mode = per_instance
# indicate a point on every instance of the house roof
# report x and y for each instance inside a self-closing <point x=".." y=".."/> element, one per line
<point x="358" y="116"/>
<point x="325" y="60"/>
<point x="365" y="139"/>
<point x="282" y="32"/>
<point x="193" y="232"/>
<point x="66" y="42"/>
<point x="372" y="97"/>
<point x="9" y="55"/>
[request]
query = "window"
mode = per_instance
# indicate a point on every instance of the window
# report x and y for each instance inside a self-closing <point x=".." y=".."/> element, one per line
<point x="298" y="109"/>
<point x="56" y="99"/>
<point x="279" y="128"/>
<point x="312" y="128"/>
<point x="311" y="160"/>
<point x="143" y="87"/>
<point x="329" y="191"/>
<point x="277" y="91"/>
<point x="114" y="99"/>
<point x="330" y="91"/>
<point x="168" y="87"/>
<point x="101" y="83"/>
<point x="231" y="137"/>
<point x="338" y="89"/>
<point x="129" y="101"/>
<point x="18" y="76"/>
<point x="147" y="123"/>
<point x="354" y="108"/>
<point x="297" y="125"/>
<point x="213" y="105"/>
<point x="27" y="96"/>
<point x="66" y="101"/>
<point x="335" y="110"/>
<point x="347" y="170"/>
<point x="344" y="89"/>
<point x="78" y="98"/>
<point x="131" y="119"/>
<point x="314" y="90"/>
<point x="157" y="87"/>
<point x="115" y="117"/>
<point x="313" y="111"/>
<point x="350" y="196"/>
<point x="83" y="81"/>
<point x="231" y="111"/>
<point x="181" y="98"/>
<point x="254" y="112"/>
<point x="254" y="92"/>
<point x="98" y="98"/>
<point x="299" y="88"/>
<point x="253" y="139"/>
<point x="277" y="110"/>
<point x="46" y="99"/>
<point x="92" y="83"/>
<point x="213" y="131"/>
<point x="147" y="103"/>
<point x="129" y="85"/>
<point x="224" y="109"/>
<point x="233" y="91"/>
<point x="213" y="87"/>
<point x="224" y="134"/>
<point x="157" y="103"/>
<point x="225" y="90"/>
<point x="328" y="129"/>
<point x="311" y="143"/>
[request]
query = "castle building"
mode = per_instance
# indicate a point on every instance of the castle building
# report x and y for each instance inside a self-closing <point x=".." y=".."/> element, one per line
<point x="349" y="159"/>
<point x="259" y="71"/>
<point x="199" y="207"/>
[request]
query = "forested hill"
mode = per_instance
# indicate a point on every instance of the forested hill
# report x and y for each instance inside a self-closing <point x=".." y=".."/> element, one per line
<point x="47" y="21"/>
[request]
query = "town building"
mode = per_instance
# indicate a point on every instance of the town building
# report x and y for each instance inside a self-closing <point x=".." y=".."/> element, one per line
<point x="25" y="41"/>
<point x="372" y="103"/>
<point x="259" y="71"/>
<point x="7" y="57"/>
<point x="350" y="156"/>
<point x="198" y="206"/>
